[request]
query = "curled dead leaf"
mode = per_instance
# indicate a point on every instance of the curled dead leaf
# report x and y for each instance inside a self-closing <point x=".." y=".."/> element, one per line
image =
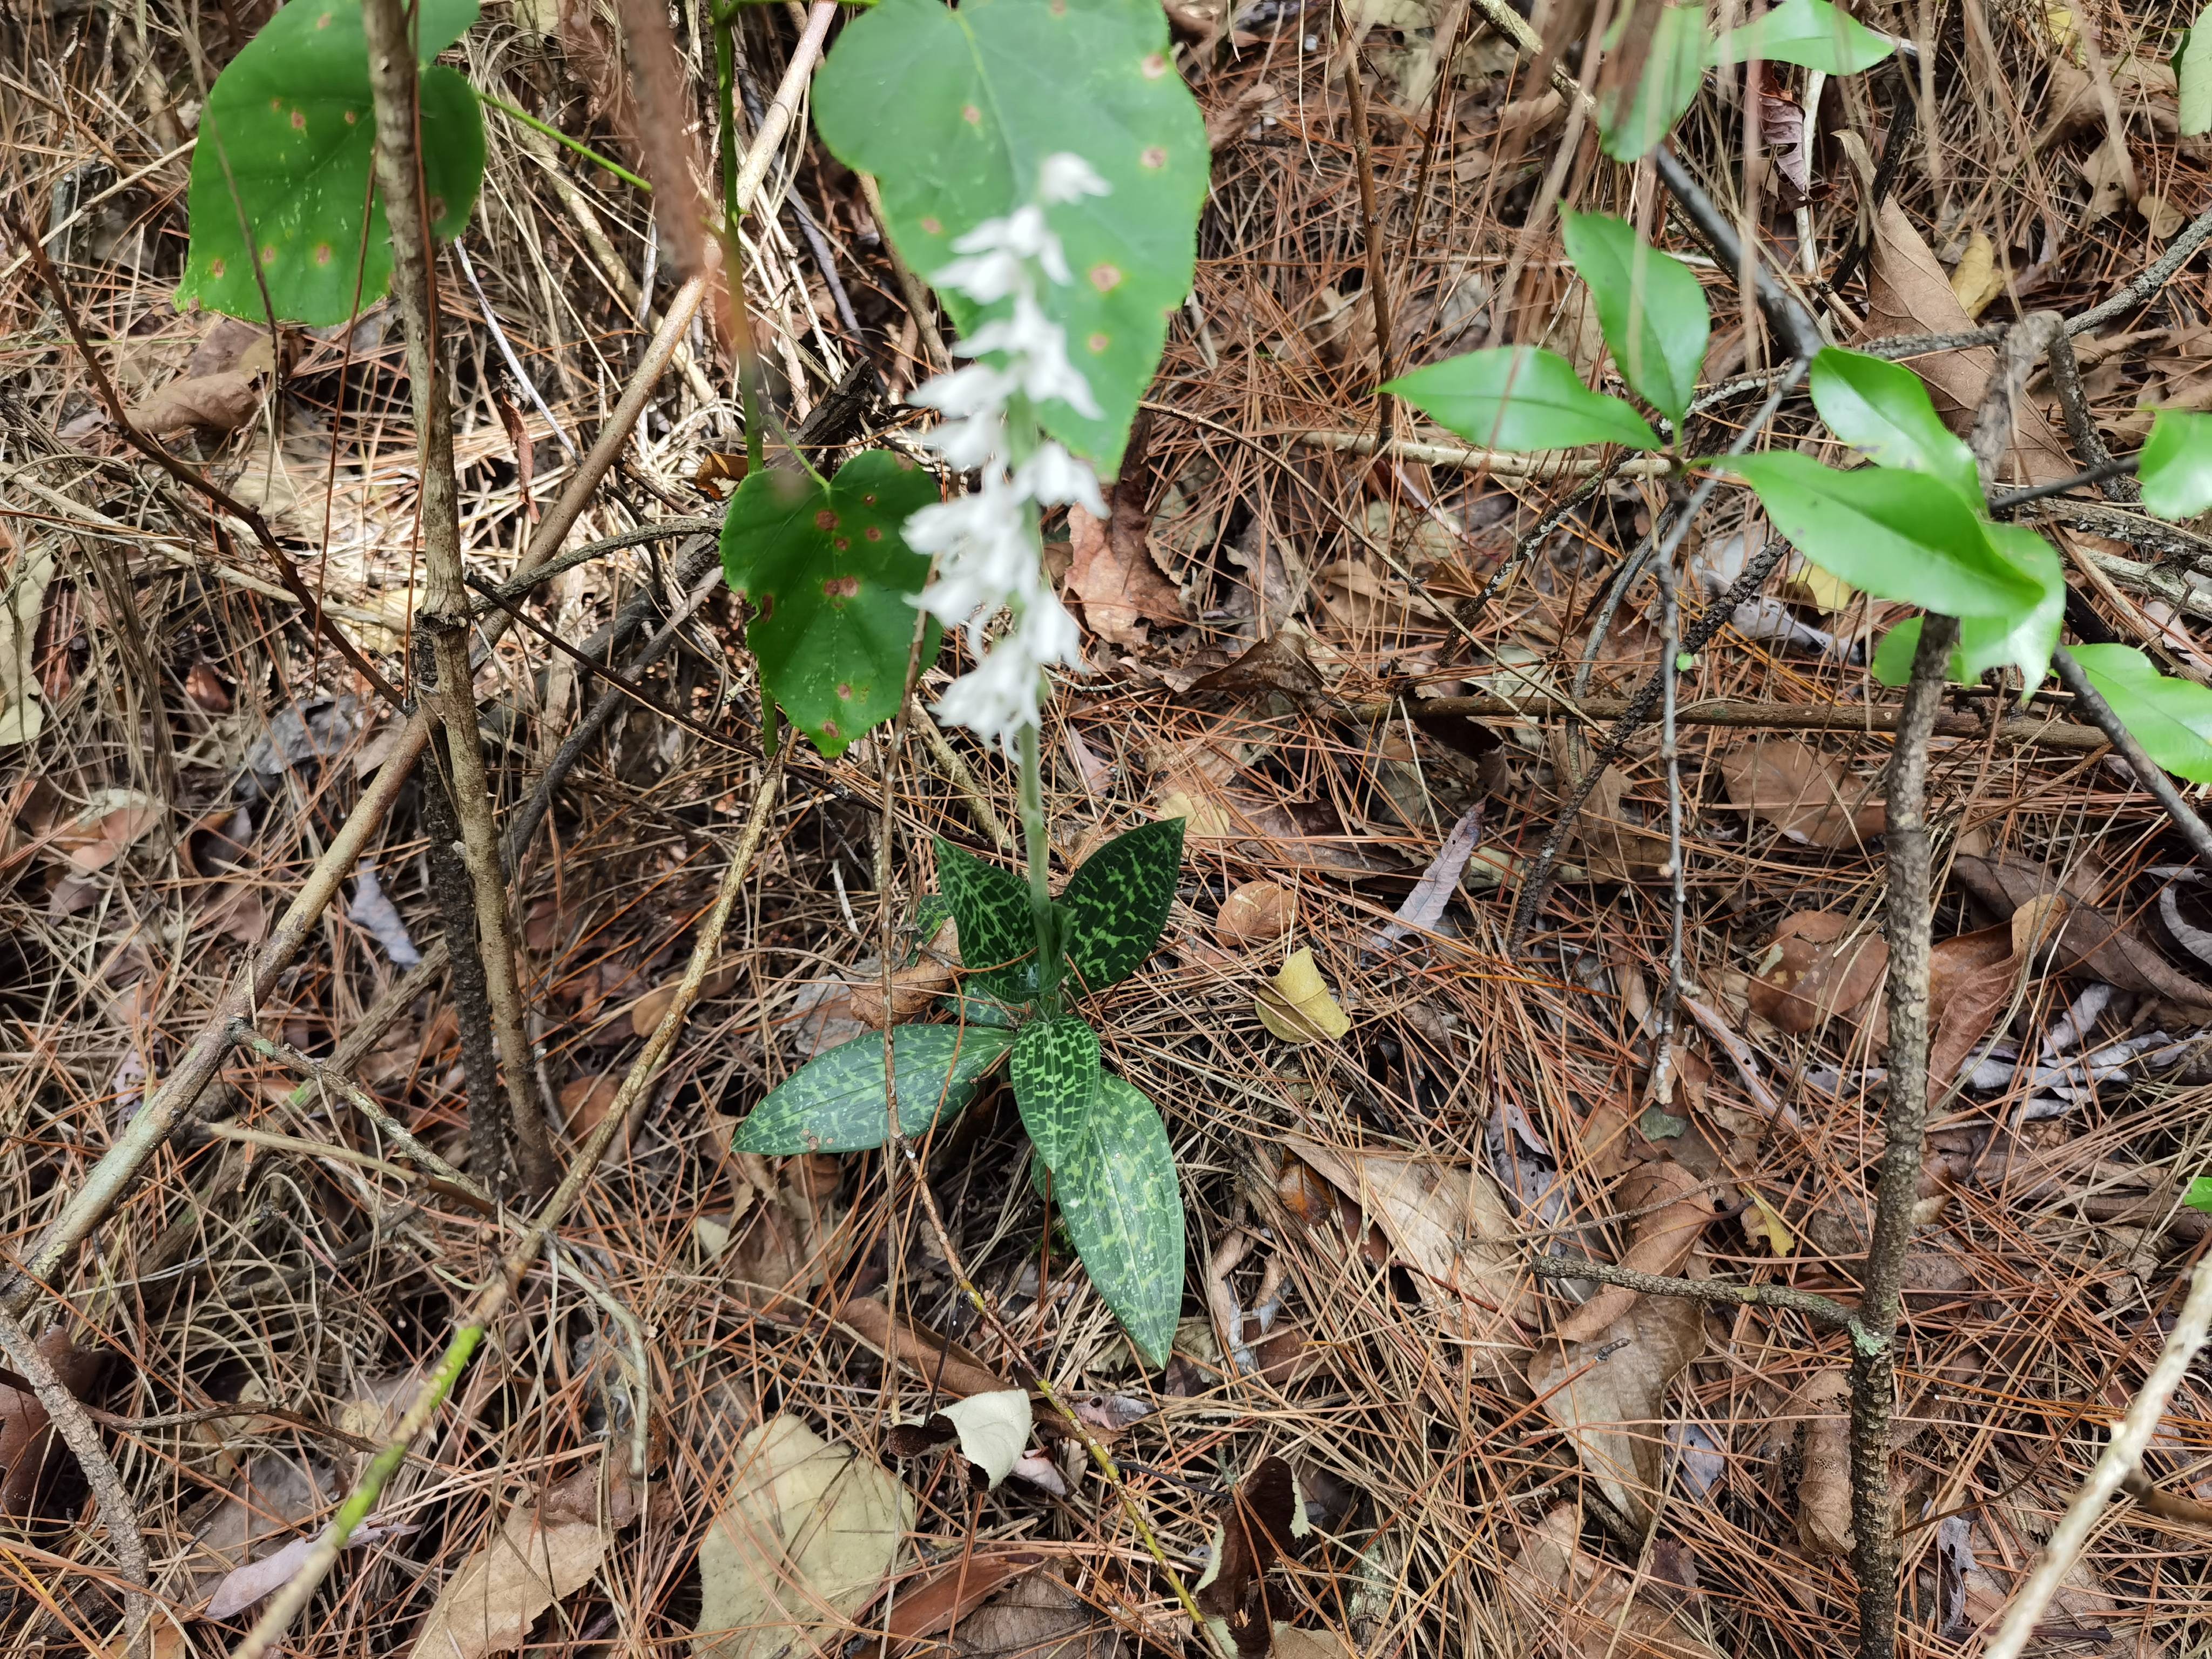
<point x="1819" y="965"/>
<point x="529" y="1564"/>
<point x="1256" y="912"/>
<point x="1803" y="793"/>
<point x="1661" y="1243"/>
<point x="206" y="403"/>
<point x="1297" y="1006"/>
<point x="1817" y="1419"/>
<point x="1608" y="1395"/>
<point x="1571" y="1601"/>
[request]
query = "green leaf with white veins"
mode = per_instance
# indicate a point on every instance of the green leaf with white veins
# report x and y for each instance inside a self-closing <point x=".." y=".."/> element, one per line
<point x="954" y="111"/>
<point x="1518" y="399"/>
<point x="998" y="929"/>
<point x="1882" y="410"/>
<point x="1115" y="905"/>
<point x="1119" y="1200"/>
<point x="285" y="143"/>
<point x="1811" y="33"/>
<point x="2192" y="74"/>
<point x="830" y="576"/>
<point x="2176" y="465"/>
<point x="2171" y="718"/>
<point x="1897" y="535"/>
<point x="834" y="1102"/>
<point x="1650" y="306"/>
<point x="1056" y="1078"/>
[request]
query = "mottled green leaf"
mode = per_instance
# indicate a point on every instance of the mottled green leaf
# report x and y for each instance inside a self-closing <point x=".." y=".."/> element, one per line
<point x="1117" y="903"/>
<point x="955" y="110"/>
<point x="1882" y="410"/>
<point x="998" y="929"/>
<point x="2176" y="465"/>
<point x="1518" y="399"/>
<point x="1056" y="1077"/>
<point x="1120" y="1202"/>
<point x="1650" y="306"/>
<point x="2171" y="718"/>
<point x="285" y="144"/>
<point x="1811" y="33"/>
<point x="831" y="581"/>
<point x="1633" y="119"/>
<point x="834" y="1102"/>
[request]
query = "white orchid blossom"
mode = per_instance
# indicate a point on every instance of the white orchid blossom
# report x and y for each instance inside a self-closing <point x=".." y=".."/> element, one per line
<point x="988" y="559"/>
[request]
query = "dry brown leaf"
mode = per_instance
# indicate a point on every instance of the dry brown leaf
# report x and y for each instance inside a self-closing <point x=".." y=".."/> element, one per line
<point x="584" y="1102"/>
<point x="805" y="1541"/>
<point x="1821" y="1442"/>
<point x="22" y="714"/>
<point x="2092" y="938"/>
<point x="948" y="1595"/>
<point x="206" y="403"/>
<point x="645" y="1013"/>
<point x="1908" y="292"/>
<point x="1607" y="842"/>
<point x="104" y="830"/>
<point x="1608" y="1395"/>
<point x="1291" y="1643"/>
<point x="1661" y="1242"/>
<point x="1573" y="1602"/>
<point x="1803" y="793"/>
<point x="2140" y="85"/>
<point x="27" y="1435"/>
<point x="1816" y="968"/>
<point x="1256" y="913"/>
<point x="1038" y="1617"/>
<point x="524" y="1568"/>
<point x="943" y="1363"/>
<point x="1450" y="1226"/>
<point x="1114" y="579"/>
<point x="913" y="986"/>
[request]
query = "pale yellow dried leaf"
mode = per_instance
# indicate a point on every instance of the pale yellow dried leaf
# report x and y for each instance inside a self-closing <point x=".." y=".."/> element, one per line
<point x="1297" y="1006"/>
<point x="1202" y="820"/>
<point x="805" y="1541"/>
<point x="1810" y="585"/>
<point x="993" y="1428"/>
<point x="490" y="1605"/>
<point x="1976" y="279"/>
<point x="1763" y="1225"/>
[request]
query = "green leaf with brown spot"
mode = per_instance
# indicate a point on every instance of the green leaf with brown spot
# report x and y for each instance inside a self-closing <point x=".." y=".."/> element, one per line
<point x="836" y="1102"/>
<point x="1119" y="1197"/>
<point x="831" y="581"/>
<point x="281" y="172"/>
<point x="1056" y="1078"/>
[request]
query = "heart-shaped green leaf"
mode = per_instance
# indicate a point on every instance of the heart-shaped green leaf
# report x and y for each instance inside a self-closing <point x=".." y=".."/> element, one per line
<point x="1897" y="535"/>
<point x="1056" y="1075"/>
<point x="1812" y="34"/>
<point x="998" y="929"/>
<point x="835" y="1104"/>
<point x="832" y="581"/>
<point x="2175" y="466"/>
<point x="1650" y="306"/>
<point x="1115" y="905"/>
<point x="1632" y="120"/>
<point x="954" y="111"/>
<point x="284" y="149"/>
<point x="1123" y="1209"/>
<point x="2171" y="718"/>
<point x="1882" y="410"/>
<point x="1520" y="398"/>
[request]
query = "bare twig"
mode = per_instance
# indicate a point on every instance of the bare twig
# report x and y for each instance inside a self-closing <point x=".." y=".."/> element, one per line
<point x="2065" y="736"/>
<point x="1820" y="1309"/>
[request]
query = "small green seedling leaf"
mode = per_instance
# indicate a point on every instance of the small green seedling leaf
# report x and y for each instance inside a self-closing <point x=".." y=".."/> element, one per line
<point x="954" y="111"/>
<point x="1897" y="535"/>
<point x="2192" y="73"/>
<point x="834" y="1102"/>
<point x="1056" y="1077"/>
<point x="1882" y="410"/>
<point x="1520" y="398"/>
<point x="1650" y="306"/>
<point x="2175" y="466"/>
<point x="285" y="145"/>
<point x="998" y="929"/>
<point x="1115" y="905"/>
<point x="2024" y="641"/>
<point x="1892" y="658"/>
<point x="2199" y="1195"/>
<point x="831" y="579"/>
<point x="2171" y="718"/>
<point x="1811" y="33"/>
<point x="1631" y="127"/>
<point x="1122" y="1208"/>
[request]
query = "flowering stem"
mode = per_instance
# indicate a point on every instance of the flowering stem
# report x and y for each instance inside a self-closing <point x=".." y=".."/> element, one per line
<point x="733" y="249"/>
<point x="1038" y="849"/>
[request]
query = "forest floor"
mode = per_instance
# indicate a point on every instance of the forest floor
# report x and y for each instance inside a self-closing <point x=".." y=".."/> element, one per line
<point x="1491" y="1470"/>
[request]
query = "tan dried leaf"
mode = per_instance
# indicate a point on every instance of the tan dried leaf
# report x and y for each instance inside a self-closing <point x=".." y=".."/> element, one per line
<point x="808" y="1535"/>
<point x="207" y="403"/>
<point x="1573" y="1602"/>
<point x="490" y="1605"/>
<point x="22" y="715"/>
<point x="1822" y="1437"/>
<point x="1256" y="913"/>
<point x="645" y="1013"/>
<point x="1608" y="1395"/>
<point x="1803" y="793"/>
<point x="1817" y="968"/>
<point x="1038" y="1617"/>
<point x="105" y="829"/>
<point x="1114" y="579"/>
<point x="1297" y="1006"/>
<point x="1976" y="279"/>
<point x="1661" y="1243"/>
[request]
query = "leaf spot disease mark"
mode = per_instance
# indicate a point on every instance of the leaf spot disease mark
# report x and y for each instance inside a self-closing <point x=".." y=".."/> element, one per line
<point x="844" y="543"/>
<point x="1098" y="343"/>
<point x="269" y="254"/>
<point x="352" y="117"/>
<point x="215" y="268"/>
<point x="1155" y="157"/>
<point x="841" y="587"/>
<point x="324" y="21"/>
<point x="437" y="209"/>
<point x="933" y="225"/>
<point x="825" y="519"/>
<point x="829" y="730"/>
<point x="874" y="532"/>
<point x="1105" y="277"/>
<point x="299" y="120"/>
<point x="1155" y="65"/>
<point x="845" y="692"/>
<point x="971" y="115"/>
<point x="322" y="253"/>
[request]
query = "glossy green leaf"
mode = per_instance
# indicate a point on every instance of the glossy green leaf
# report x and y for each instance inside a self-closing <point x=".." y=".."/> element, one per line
<point x="1056" y="1078"/>
<point x="2024" y="640"/>
<point x="831" y="581"/>
<point x="1633" y="125"/>
<point x="998" y="929"/>
<point x="834" y="1102"/>
<point x="2171" y="718"/>
<point x="1812" y="34"/>
<point x="1648" y="304"/>
<point x="285" y="146"/>
<point x="1117" y="903"/>
<point x="1519" y="398"/>
<point x="1892" y="658"/>
<point x="1120" y="1202"/>
<point x="2192" y="74"/>
<point x="1882" y="410"/>
<point x="2176" y="465"/>
<point x="953" y="110"/>
<point x="1897" y="535"/>
<point x="2199" y="1195"/>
